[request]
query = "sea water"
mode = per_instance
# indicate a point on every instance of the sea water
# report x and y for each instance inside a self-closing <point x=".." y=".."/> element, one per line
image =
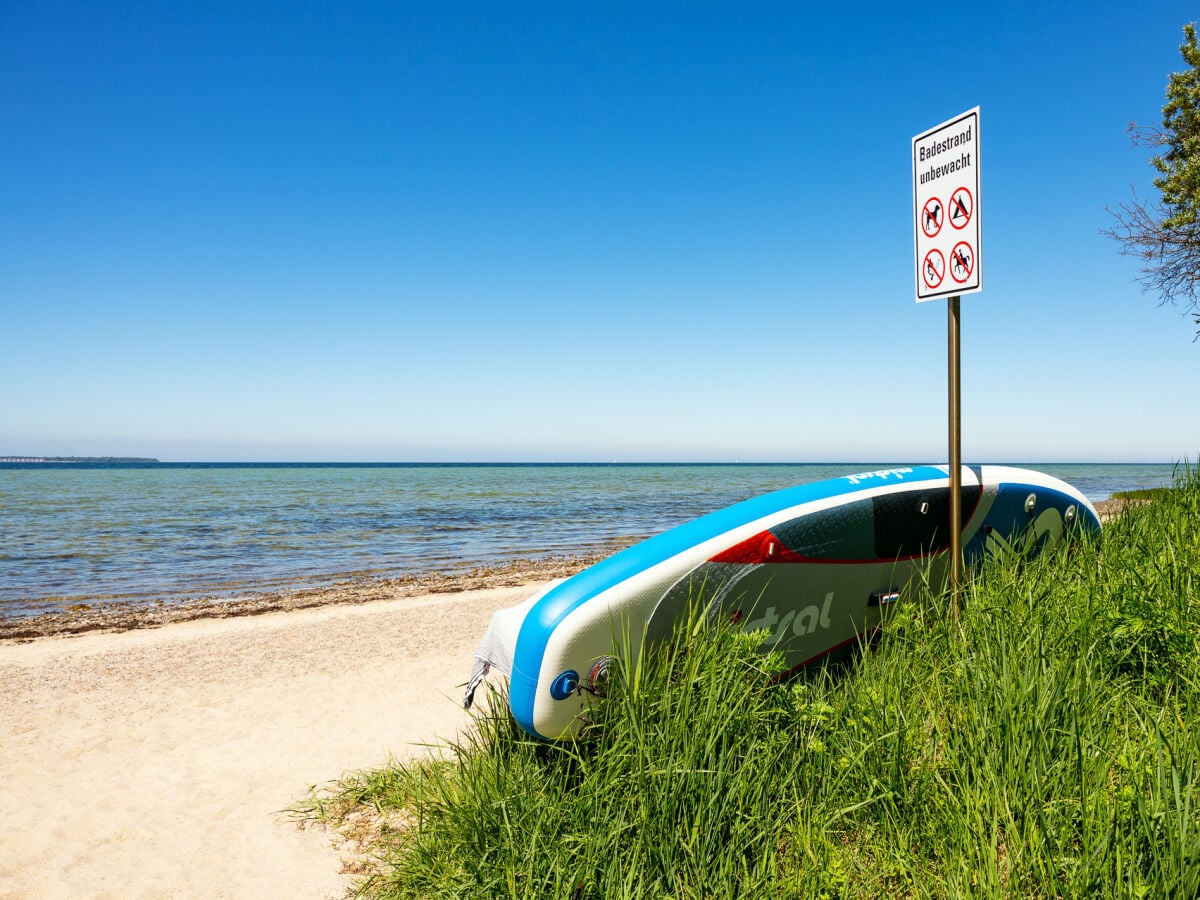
<point x="74" y="533"/>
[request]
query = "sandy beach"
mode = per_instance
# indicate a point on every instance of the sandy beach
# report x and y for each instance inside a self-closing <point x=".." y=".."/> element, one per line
<point x="153" y="762"/>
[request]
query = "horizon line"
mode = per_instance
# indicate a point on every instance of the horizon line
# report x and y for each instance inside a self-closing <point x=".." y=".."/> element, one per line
<point x="36" y="459"/>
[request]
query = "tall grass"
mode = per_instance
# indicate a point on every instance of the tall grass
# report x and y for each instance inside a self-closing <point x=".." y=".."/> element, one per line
<point x="1046" y="746"/>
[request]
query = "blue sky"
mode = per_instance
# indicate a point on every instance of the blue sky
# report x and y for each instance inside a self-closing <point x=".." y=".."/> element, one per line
<point x="560" y="231"/>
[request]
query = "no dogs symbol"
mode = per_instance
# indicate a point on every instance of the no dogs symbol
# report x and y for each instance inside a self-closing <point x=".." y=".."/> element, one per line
<point x="931" y="217"/>
<point x="933" y="269"/>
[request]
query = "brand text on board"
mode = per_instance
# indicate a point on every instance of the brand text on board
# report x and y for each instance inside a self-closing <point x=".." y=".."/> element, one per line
<point x="954" y="165"/>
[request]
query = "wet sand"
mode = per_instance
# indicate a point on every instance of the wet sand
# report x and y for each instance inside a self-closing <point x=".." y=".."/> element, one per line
<point x="80" y="615"/>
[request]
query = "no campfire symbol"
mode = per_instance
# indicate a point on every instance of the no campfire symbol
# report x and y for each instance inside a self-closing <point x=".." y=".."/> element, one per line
<point x="961" y="207"/>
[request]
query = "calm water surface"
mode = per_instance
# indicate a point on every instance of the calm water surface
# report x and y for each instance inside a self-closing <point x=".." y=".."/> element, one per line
<point x="174" y="531"/>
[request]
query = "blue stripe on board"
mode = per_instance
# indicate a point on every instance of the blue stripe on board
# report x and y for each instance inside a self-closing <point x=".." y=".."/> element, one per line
<point x="548" y="612"/>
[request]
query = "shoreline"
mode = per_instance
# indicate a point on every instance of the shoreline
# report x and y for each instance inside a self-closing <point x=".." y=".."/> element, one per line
<point x="92" y="615"/>
<point x="84" y="617"/>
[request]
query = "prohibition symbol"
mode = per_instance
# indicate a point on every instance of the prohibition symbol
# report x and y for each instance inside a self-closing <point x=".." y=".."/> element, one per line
<point x="962" y="262"/>
<point x="933" y="270"/>
<point x="962" y="204"/>
<point x="931" y="217"/>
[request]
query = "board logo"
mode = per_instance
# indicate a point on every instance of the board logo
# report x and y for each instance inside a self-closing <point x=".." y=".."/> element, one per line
<point x="806" y="621"/>
<point x="883" y="474"/>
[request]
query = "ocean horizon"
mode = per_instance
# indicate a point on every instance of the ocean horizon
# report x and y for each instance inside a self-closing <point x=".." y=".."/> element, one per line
<point x="142" y="532"/>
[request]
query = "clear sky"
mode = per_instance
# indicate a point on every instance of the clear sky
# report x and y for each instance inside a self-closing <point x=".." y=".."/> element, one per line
<point x="572" y="231"/>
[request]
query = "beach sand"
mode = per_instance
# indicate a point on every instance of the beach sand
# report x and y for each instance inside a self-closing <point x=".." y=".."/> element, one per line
<point x="153" y="762"/>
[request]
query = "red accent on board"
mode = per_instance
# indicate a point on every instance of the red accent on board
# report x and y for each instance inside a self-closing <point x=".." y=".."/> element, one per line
<point x="764" y="547"/>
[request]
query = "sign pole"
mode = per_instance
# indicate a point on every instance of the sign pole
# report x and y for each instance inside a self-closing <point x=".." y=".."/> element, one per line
<point x="946" y="233"/>
<point x="955" y="404"/>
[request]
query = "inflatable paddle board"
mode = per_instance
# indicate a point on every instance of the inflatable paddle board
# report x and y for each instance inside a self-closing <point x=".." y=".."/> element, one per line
<point x="814" y="566"/>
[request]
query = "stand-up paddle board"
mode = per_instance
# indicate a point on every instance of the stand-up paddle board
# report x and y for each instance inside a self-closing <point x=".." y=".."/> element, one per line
<point x="814" y="566"/>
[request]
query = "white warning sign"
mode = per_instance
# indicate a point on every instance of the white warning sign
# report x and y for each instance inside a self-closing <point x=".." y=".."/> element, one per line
<point x="946" y="193"/>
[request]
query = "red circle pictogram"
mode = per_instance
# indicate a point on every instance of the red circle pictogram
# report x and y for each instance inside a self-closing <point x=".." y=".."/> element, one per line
<point x="931" y="217"/>
<point x="933" y="269"/>
<point x="962" y="262"/>
<point x="962" y="207"/>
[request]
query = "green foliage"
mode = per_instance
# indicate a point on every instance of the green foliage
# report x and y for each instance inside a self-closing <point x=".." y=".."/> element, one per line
<point x="1142" y="494"/>
<point x="1165" y="235"/>
<point x="1146" y="602"/>
<point x="1047" y="745"/>
<point x="1179" y="164"/>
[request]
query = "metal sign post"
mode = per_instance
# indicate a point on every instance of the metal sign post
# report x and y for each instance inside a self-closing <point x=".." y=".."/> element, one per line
<point x="948" y="264"/>
<point x="955" y="381"/>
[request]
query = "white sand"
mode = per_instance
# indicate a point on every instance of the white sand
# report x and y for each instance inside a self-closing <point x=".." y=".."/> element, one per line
<point x="153" y="763"/>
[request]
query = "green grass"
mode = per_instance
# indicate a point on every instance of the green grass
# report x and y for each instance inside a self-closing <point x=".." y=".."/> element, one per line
<point x="1142" y="494"/>
<point x="1047" y="746"/>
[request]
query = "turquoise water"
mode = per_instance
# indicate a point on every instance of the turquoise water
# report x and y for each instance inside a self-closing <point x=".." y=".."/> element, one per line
<point x="72" y="534"/>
